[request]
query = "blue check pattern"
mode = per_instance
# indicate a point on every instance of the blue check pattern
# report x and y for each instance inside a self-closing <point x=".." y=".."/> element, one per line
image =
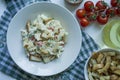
<point x="7" y="65"/>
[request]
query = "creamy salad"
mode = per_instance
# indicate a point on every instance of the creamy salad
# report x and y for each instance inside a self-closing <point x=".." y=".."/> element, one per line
<point x="43" y="39"/>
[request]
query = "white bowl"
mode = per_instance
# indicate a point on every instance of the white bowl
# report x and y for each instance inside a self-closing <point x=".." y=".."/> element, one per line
<point x="72" y="47"/>
<point x="86" y="64"/>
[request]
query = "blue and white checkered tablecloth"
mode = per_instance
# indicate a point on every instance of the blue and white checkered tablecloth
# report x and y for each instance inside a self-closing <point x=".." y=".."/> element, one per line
<point x="7" y="66"/>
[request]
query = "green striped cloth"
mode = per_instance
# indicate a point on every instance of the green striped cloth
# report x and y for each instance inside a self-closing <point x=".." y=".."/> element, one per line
<point x="7" y="66"/>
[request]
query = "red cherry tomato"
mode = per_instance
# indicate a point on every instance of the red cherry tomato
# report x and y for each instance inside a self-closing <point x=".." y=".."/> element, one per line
<point x="110" y="12"/>
<point x="91" y="16"/>
<point x="102" y="19"/>
<point x="89" y="6"/>
<point x="118" y="11"/>
<point x="113" y="3"/>
<point x="80" y="13"/>
<point x="84" y="22"/>
<point x="101" y="5"/>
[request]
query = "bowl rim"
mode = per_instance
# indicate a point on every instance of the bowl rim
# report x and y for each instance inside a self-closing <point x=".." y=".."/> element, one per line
<point x="96" y="52"/>
<point x="43" y="2"/>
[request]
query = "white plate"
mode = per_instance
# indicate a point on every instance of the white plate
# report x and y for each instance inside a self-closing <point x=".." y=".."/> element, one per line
<point x="14" y="39"/>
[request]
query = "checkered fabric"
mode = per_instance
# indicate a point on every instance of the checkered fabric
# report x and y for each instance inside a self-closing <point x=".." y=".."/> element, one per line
<point x="7" y="65"/>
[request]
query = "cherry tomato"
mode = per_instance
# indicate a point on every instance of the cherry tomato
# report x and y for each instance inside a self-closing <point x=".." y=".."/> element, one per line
<point x="80" y="13"/>
<point x="118" y="11"/>
<point x="115" y="3"/>
<point x="101" y="5"/>
<point x="91" y="16"/>
<point x="84" y="22"/>
<point x="102" y="19"/>
<point x="89" y="6"/>
<point x="110" y="12"/>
